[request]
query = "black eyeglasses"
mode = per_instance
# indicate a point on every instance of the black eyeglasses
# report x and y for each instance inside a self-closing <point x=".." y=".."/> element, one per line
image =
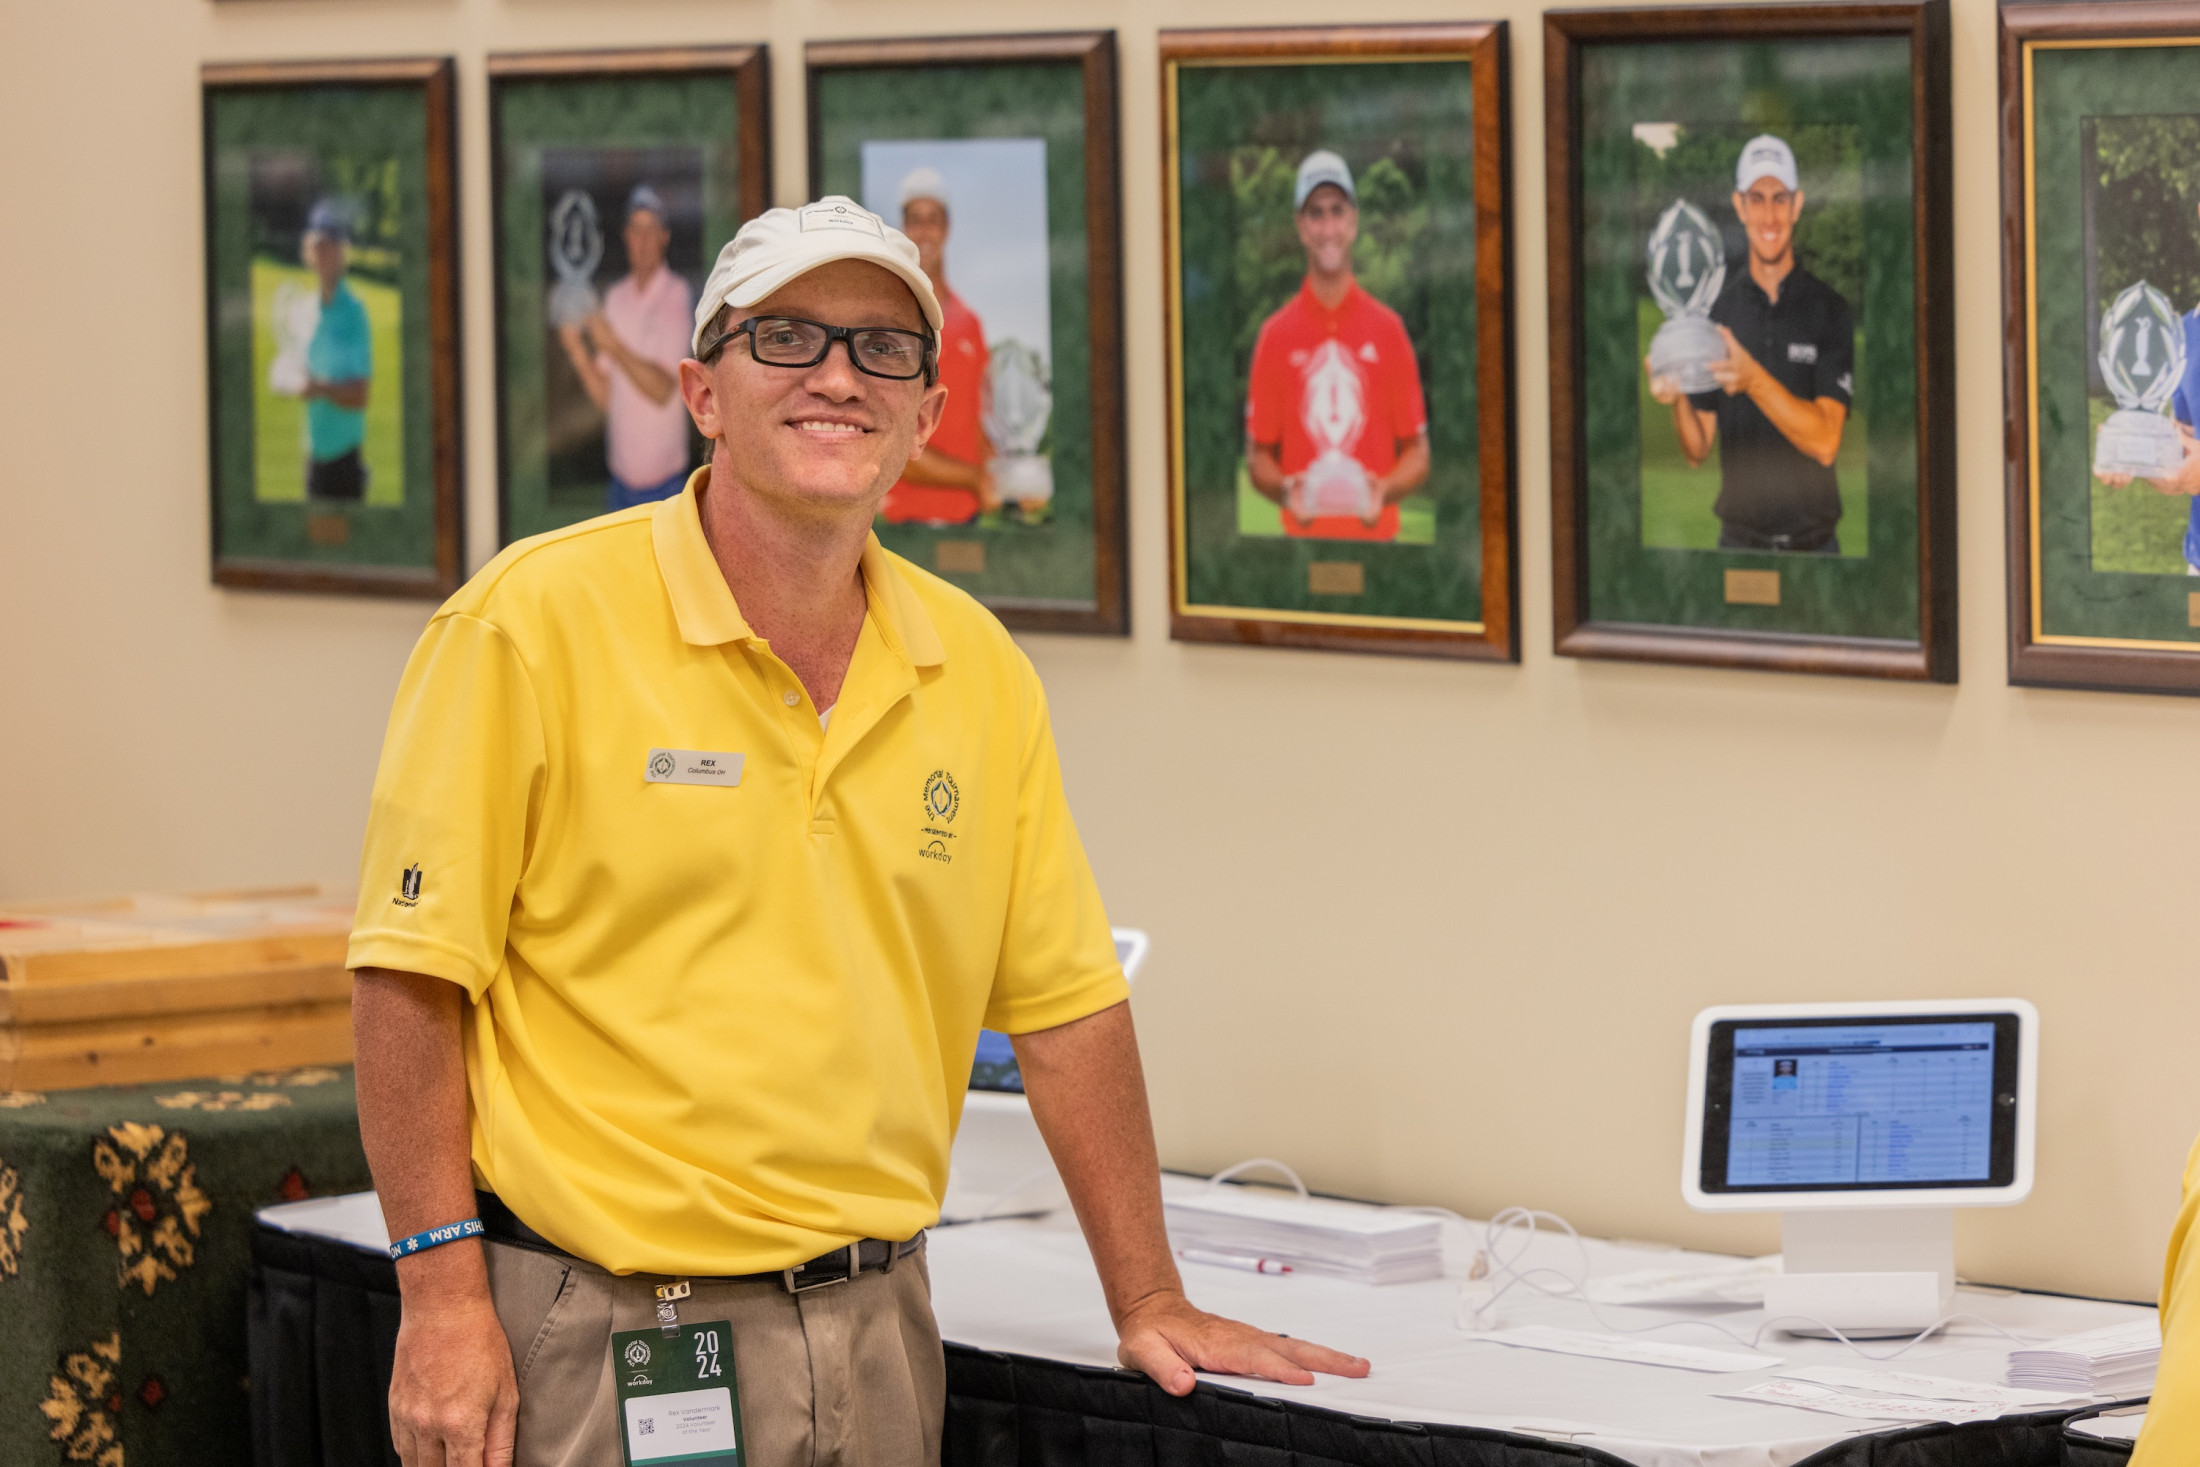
<point x="790" y="341"/>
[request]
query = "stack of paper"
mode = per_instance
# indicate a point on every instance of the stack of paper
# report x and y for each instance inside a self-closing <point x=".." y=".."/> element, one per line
<point x="1371" y="1245"/>
<point x="2116" y="1361"/>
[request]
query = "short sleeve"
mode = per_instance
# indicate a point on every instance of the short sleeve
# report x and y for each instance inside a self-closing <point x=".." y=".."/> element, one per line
<point x="1266" y="403"/>
<point x="1058" y="959"/>
<point x="453" y="810"/>
<point x="1408" y="407"/>
<point x="670" y="330"/>
<point x="1836" y="377"/>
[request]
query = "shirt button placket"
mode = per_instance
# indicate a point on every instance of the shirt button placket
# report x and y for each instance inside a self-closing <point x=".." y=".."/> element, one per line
<point x="791" y="697"/>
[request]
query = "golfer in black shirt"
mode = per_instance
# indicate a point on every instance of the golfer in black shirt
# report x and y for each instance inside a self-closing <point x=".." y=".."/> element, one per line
<point x="1785" y="386"/>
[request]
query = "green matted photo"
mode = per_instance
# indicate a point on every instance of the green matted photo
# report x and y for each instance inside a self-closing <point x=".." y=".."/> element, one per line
<point x="332" y="326"/>
<point x="997" y="156"/>
<point x="616" y="176"/>
<point x="1339" y="291"/>
<point x="1752" y="336"/>
<point x="2101" y="188"/>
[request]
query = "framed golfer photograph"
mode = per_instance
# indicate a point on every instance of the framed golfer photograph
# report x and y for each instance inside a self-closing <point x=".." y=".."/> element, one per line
<point x="615" y="178"/>
<point x="1339" y="317"/>
<point x="997" y="156"/>
<point x="1752" y="336"/>
<point x="2101" y="288"/>
<point x="332" y="326"/>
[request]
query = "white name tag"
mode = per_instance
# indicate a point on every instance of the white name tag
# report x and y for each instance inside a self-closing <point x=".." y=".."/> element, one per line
<point x="682" y="1425"/>
<point x="692" y="766"/>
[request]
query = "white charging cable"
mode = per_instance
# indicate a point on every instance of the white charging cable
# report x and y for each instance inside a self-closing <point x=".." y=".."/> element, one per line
<point x="1500" y="1273"/>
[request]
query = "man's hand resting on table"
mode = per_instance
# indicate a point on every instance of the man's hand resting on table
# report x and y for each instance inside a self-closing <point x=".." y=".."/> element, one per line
<point x="1088" y="1094"/>
<point x="1167" y="1338"/>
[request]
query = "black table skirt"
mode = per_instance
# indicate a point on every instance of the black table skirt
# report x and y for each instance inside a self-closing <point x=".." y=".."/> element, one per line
<point x="323" y="1332"/>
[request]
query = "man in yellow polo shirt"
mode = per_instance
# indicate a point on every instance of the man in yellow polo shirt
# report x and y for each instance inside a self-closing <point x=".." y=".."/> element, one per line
<point x="2171" y="1436"/>
<point x="706" y="837"/>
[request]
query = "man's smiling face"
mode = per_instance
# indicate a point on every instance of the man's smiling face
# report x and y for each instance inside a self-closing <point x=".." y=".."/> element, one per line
<point x="826" y="437"/>
<point x="1768" y="210"/>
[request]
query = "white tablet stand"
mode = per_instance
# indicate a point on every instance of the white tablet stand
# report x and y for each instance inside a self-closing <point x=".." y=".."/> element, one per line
<point x="1868" y="1258"/>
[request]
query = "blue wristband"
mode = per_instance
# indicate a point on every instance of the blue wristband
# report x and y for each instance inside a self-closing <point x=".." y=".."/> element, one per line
<point x="437" y="1237"/>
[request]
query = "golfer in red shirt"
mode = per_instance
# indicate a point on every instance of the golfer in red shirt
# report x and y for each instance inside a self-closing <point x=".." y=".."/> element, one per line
<point x="951" y="481"/>
<point x="1335" y="426"/>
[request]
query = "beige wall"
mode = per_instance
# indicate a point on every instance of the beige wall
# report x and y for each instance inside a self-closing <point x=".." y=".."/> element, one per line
<point x="1432" y="932"/>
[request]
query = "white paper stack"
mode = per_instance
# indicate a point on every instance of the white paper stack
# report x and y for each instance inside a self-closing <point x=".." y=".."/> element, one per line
<point x="1346" y="1240"/>
<point x="2116" y="1361"/>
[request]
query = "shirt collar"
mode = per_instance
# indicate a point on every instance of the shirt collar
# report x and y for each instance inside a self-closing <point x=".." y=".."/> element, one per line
<point x="1323" y="313"/>
<point x="703" y="604"/>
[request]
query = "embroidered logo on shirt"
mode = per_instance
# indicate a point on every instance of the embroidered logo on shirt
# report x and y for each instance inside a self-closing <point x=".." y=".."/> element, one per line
<point x="1802" y="351"/>
<point x="941" y="800"/>
<point x="1367" y="352"/>
<point x="941" y="797"/>
<point x="408" y="887"/>
<point x="1842" y="382"/>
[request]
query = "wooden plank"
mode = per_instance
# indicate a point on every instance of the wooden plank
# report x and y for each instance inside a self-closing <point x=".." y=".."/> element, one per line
<point x="170" y="959"/>
<point x="118" y="1052"/>
<point x="65" y="1003"/>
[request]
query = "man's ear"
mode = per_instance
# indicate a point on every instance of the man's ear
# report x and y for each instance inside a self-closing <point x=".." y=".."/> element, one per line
<point x="1796" y="211"/>
<point x="1738" y="207"/>
<point x="929" y="412"/>
<point x="701" y="397"/>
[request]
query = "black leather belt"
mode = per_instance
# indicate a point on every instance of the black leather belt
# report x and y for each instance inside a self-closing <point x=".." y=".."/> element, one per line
<point x="872" y="1255"/>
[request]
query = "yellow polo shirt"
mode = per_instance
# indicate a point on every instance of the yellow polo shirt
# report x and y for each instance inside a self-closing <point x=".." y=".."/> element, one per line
<point x="718" y="1027"/>
<point x="2171" y="1435"/>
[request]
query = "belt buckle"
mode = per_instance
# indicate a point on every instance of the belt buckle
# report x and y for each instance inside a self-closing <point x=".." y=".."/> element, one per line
<point x="855" y="1266"/>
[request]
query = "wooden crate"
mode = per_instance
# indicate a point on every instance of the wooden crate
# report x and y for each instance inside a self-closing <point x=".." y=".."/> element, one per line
<point x="151" y="988"/>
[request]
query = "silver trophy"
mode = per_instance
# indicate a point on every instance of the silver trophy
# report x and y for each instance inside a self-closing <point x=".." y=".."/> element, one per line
<point x="1687" y="267"/>
<point x="1334" y="414"/>
<point x="1017" y="407"/>
<point x="2142" y="360"/>
<point x="294" y="315"/>
<point x="576" y="248"/>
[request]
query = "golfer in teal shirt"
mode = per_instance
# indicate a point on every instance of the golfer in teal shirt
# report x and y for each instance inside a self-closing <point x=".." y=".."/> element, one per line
<point x="339" y="364"/>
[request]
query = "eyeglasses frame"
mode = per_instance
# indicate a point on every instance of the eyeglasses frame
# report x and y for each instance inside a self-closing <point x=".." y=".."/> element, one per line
<point x="929" y="372"/>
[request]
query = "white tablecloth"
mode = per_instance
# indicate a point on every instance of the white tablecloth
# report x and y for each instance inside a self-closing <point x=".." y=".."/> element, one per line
<point x="1028" y="1287"/>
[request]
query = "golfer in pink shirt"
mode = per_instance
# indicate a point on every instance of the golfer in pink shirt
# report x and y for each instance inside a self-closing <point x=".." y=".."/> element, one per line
<point x="628" y="358"/>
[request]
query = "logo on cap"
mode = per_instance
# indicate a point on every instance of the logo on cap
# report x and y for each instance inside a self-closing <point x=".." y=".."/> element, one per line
<point x="840" y="216"/>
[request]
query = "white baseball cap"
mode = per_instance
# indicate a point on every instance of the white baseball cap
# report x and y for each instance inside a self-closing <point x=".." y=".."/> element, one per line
<point x="780" y="244"/>
<point x="1317" y="168"/>
<point x="924" y="183"/>
<point x="1766" y="156"/>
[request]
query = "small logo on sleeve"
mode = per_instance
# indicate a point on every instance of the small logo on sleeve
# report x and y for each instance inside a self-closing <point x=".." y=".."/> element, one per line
<point x="408" y="887"/>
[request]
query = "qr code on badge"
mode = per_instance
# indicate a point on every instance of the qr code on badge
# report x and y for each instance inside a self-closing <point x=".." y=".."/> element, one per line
<point x="647" y="1426"/>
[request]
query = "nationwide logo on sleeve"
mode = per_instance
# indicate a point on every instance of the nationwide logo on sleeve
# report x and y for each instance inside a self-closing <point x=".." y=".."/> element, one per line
<point x="941" y="800"/>
<point x="408" y="887"/>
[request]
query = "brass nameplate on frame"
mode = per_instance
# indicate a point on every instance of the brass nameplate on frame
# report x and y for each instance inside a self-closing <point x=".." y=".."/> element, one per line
<point x="1753" y="588"/>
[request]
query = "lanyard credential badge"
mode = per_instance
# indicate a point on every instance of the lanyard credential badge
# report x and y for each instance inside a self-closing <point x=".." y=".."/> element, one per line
<point x="678" y="1401"/>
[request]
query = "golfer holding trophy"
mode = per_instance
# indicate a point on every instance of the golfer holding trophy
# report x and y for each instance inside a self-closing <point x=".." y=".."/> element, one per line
<point x="1778" y="391"/>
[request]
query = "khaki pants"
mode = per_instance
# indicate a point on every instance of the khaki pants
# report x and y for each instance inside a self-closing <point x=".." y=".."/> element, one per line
<point x="846" y="1374"/>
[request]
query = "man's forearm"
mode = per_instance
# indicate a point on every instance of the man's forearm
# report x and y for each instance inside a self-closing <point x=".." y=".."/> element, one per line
<point x="1088" y="1094"/>
<point x="1265" y="470"/>
<point x="412" y="1118"/>
<point x="1813" y="426"/>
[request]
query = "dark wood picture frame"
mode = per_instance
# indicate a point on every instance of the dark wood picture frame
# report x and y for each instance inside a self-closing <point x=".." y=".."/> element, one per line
<point x="1924" y="23"/>
<point x="2037" y="659"/>
<point x="747" y="65"/>
<point x="1094" y="52"/>
<point x="1484" y="45"/>
<point x="436" y="79"/>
